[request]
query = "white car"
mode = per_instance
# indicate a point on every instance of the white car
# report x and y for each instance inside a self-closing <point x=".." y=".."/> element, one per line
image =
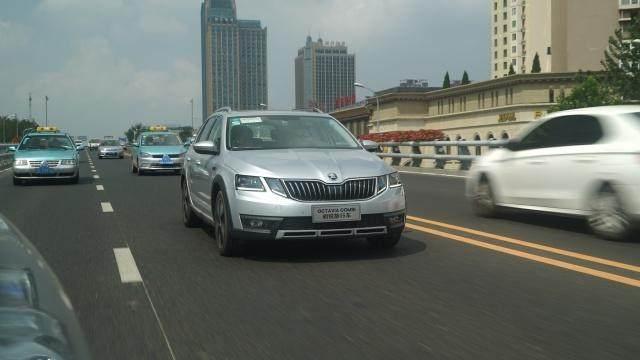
<point x="582" y="162"/>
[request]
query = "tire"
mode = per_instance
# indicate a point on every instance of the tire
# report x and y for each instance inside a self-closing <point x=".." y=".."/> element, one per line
<point x="17" y="181"/>
<point x="134" y="169"/>
<point x="608" y="219"/>
<point x="75" y="179"/>
<point x="483" y="202"/>
<point x="189" y="217"/>
<point x="389" y="241"/>
<point x="227" y="245"/>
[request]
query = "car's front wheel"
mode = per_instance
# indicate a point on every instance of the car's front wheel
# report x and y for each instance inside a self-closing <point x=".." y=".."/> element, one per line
<point x="483" y="202"/>
<point x="608" y="218"/>
<point x="17" y="181"/>
<point x="189" y="217"/>
<point x="389" y="241"/>
<point x="134" y="169"/>
<point x="75" y="179"/>
<point x="227" y="245"/>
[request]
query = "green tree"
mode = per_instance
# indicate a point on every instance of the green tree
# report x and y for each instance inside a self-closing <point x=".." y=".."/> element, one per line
<point x="447" y="81"/>
<point x="622" y="62"/>
<point x="131" y="133"/>
<point x="465" y="78"/>
<point x="590" y="91"/>
<point x="536" y="65"/>
<point x="8" y="131"/>
<point x="512" y="71"/>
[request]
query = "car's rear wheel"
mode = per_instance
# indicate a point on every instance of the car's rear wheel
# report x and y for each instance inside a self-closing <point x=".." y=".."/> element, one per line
<point x="227" y="245"/>
<point x="483" y="202"/>
<point x="388" y="241"/>
<point x="608" y="219"/>
<point x="134" y="169"/>
<point x="189" y="217"/>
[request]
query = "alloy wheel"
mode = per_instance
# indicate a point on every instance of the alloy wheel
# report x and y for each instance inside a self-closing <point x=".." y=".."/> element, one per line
<point x="608" y="218"/>
<point x="221" y="221"/>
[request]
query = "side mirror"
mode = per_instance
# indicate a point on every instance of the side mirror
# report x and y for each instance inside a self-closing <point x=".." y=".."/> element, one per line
<point x="206" y="147"/>
<point x="370" y="146"/>
<point x="11" y="148"/>
<point x="513" y="145"/>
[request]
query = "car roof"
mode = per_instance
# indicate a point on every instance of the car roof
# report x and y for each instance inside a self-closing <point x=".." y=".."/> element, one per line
<point x="43" y="133"/>
<point x="600" y="110"/>
<point x="256" y="113"/>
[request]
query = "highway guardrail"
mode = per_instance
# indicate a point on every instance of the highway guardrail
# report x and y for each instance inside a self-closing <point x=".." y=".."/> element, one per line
<point x="6" y="160"/>
<point x="442" y="152"/>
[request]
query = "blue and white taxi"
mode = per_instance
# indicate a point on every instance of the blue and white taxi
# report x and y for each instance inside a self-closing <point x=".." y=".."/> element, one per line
<point x="45" y="153"/>
<point x="157" y="149"/>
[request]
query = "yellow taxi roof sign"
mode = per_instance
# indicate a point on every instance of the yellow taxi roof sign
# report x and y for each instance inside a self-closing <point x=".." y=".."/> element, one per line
<point x="157" y="128"/>
<point x="46" y="129"/>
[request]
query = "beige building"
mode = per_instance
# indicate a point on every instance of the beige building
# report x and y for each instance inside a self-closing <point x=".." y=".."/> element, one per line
<point x="628" y="10"/>
<point x="494" y="109"/>
<point x="568" y="35"/>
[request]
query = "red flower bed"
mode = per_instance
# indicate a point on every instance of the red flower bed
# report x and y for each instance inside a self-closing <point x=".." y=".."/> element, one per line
<point x="405" y="136"/>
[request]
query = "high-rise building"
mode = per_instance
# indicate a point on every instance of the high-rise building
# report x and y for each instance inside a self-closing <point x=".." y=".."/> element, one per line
<point x="234" y="59"/>
<point x="567" y="35"/>
<point x="629" y="10"/>
<point x="325" y="74"/>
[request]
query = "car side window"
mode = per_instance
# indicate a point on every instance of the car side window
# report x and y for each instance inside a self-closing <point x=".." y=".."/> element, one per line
<point x="216" y="133"/>
<point x="204" y="132"/>
<point x="569" y="130"/>
<point x="540" y="137"/>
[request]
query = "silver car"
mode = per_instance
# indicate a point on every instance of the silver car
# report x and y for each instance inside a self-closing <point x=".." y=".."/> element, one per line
<point x="110" y="149"/>
<point x="288" y="175"/>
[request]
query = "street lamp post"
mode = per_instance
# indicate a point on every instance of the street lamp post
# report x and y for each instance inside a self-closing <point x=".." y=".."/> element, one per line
<point x="46" y="110"/>
<point x="360" y="85"/>
<point x="192" y="115"/>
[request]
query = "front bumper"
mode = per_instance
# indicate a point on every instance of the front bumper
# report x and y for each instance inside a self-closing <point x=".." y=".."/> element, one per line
<point x="111" y="154"/>
<point x="156" y="164"/>
<point x="289" y="219"/>
<point x="58" y="172"/>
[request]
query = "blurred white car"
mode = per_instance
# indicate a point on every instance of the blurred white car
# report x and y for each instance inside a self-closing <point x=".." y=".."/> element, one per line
<point x="582" y="162"/>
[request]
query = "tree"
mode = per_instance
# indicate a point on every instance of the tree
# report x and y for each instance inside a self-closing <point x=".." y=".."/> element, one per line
<point x="447" y="81"/>
<point x="590" y="91"/>
<point x="131" y="133"/>
<point x="622" y="62"/>
<point x="9" y="125"/>
<point x="536" y="65"/>
<point x="512" y="71"/>
<point x="465" y="78"/>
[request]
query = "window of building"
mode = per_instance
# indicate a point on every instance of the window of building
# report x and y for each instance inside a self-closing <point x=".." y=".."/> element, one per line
<point x="495" y="54"/>
<point x="514" y="11"/>
<point x="495" y="42"/>
<point x="495" y="5"/>
<point x="495" y="18"/>
<point x="552" y="96"/>
<point x="495" y="66"/>
<point x="505" y="65"/>
<point x="514" y="49"/>
<point x="495" y="30"/>
<point x="514" y="36"/>
<point x="504" y="53"/>
<point x="514" y="62"/>
<point x="504" y="15"/>
<point x="504" y="3"/>
<point x="504" y="28"/>
<point x="504" y="40"/>
<point x="513" y="23"/>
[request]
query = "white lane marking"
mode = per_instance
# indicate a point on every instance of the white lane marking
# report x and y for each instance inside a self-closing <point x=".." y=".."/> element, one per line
<point x="5" y="170"/>
<point x="127" y="265"/>
<point x="106" y="207"/>
<point x="96" y="176"/>
<point x="93" y="170"/>
<point x="430" y="174"/>
<point x="100" y="187"/>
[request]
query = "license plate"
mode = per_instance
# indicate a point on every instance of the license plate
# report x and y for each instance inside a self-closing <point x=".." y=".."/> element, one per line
<point x="335" y="213"/>
<point x="166" y="160"/>
<point x="43" y="170"/>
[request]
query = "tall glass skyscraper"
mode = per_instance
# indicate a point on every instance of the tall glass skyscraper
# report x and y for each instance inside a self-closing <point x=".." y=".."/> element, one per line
<point x="234" y="59"/>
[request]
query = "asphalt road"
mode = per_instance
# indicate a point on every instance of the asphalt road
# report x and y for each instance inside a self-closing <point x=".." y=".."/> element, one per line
<point x="456" y="287"/>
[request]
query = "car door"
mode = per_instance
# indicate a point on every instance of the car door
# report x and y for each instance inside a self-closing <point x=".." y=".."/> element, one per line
<point x="203" y="169"/>
<point x="192" y="168"/>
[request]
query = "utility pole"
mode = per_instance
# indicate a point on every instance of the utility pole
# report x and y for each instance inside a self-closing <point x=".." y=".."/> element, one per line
<point x="46" y="110"/>
<point x="191" y="115"/>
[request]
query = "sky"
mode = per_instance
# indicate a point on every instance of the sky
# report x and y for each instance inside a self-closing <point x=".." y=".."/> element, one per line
<point x="108" y="64"/>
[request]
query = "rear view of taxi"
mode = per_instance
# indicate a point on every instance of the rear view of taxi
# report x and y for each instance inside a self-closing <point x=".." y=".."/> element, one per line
<point x="45" y="153"/>
<point x="157" y="150"/>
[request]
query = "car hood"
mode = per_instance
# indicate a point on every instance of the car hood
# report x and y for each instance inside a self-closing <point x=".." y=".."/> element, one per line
<point x="161" y="150"/>
<point x="46" y="154"/>
<point x="308" y="164"/>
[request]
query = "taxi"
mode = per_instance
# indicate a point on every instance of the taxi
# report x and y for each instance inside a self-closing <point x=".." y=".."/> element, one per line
<point x="157" y="149"/>
<point x="45" y="153"/>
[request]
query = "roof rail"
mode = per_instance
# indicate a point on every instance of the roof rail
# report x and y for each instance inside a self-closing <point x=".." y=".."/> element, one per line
<point x="224" y="109"/>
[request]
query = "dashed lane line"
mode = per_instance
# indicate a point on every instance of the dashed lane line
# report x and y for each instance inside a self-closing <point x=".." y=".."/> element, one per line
<point x="96" y="176"/>
<point x="127" y="266"/>
<point x="106" y="207"/>
<point x="100" y="187"/>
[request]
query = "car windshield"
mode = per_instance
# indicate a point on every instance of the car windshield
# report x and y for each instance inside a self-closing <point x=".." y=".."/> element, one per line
<point x="46" y="142"/>
<point x="287" y="132"/>
<point x="635" y="117"/>
<point x="110" y="143"/>
<point x="160" y="140"/>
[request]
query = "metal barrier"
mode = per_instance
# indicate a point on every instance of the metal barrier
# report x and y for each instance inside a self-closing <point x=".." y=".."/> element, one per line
<point x="6" y="161"/>
<point x="442" y="153"/>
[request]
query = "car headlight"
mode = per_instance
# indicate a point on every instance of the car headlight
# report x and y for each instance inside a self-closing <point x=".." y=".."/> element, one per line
<point x="20" y="162"/>
<point x="276" y="186"/>
<point x="182" y="154"/>
<point x="145" y="155"/>
<point x="394" y="180"/>
<point x="381" y="184"/>
<point x="249" y="183"/>
<point x="68" y="162"/>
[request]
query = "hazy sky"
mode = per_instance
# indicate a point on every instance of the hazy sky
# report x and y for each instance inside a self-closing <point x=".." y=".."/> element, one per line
<point x="106" y="64"/>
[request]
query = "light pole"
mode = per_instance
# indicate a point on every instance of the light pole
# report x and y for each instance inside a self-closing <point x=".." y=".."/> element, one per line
<point x="363" y="86"/>
<point x="46" y="110"/>
<point x="192" y="115"/>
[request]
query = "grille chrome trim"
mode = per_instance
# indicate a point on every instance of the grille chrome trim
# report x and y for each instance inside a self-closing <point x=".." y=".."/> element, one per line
<point x="316" y="190"/>
<point x="327" y="233"/>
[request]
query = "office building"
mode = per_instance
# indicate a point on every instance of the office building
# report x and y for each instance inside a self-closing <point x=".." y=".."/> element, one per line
<point x="628" y="10"/>
<point x="567" y="35"/>
<point x="234" y="59"/>
<point x="325" y="73"/>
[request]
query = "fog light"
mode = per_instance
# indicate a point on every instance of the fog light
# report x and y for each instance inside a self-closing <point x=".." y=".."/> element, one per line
<point x="256" y="223"/>
<point x="260" y="224"/>
<point x="395" y="219"/>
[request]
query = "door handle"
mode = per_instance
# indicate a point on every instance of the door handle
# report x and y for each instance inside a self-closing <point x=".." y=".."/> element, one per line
<point x="584" y="160"/>
<point x="536" y="162"/>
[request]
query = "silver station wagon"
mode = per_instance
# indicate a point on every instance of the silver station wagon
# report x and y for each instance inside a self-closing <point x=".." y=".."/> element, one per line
<point x="288" y="175"/>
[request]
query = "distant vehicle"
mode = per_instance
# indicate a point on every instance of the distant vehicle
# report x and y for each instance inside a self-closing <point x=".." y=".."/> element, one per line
<point x="110" y="149"/>
<point x="289" y="175"/>
<point x="108" y="137"/>
<point x="45" y="153"/>
<point x="157" y="150"/>
<point x="80" y="145"/>
<point x="36" y="317"/>
<point x="94" y="144"/>
<point x="578" y="163"/>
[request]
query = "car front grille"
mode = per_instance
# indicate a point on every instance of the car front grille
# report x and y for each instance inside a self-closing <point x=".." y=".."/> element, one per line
<point x="306" y="223"/>
<point x="37" y="163"/>
<point x="313" y="190"/>
<point x="173" y="156"/>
